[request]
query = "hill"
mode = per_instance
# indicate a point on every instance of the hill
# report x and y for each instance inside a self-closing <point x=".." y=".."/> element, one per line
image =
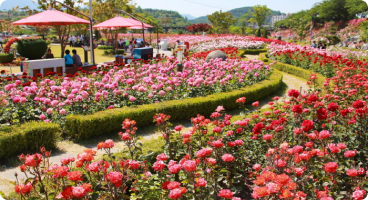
<point x="188" y="16"/>
<point x="9" y="4"/>
<point x="237" y="13"/>
<point x="165" y="17"/>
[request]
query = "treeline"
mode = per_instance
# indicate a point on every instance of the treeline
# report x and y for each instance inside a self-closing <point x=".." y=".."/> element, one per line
<point x="165" y="17"/>
<point x="326" y="11"/>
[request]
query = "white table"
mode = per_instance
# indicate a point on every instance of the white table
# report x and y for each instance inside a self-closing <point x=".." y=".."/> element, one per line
<point x="43" y="66"/>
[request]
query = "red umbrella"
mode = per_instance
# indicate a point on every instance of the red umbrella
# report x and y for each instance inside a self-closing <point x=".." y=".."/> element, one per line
<point x="138" y="27"/>
<point x="138" y="23"/>
<point x="115" y="22"/>
<point x="50" y="17"/>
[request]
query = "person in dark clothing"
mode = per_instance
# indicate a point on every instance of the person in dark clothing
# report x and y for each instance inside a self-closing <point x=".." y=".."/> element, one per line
<point x="324" y="45"/>
<point x="49" y="54"/>
<point x="76" y="58"/>
<point x="319" y="45"/>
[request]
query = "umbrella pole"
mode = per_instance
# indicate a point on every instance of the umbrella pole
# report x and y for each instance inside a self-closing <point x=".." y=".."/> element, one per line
<point x="91" y="33"/>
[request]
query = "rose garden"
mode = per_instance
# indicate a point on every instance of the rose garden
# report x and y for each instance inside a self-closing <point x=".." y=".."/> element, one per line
<point x="266" y="119"/>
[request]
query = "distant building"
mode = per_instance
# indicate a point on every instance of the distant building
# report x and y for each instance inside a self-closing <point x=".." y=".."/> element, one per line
<point x="277" y="18"/>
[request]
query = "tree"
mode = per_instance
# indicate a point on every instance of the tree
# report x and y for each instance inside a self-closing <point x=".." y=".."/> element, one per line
<point x="260" y="13"/>
<point x="334" y="10"/>
<point x="166" y="21"/>
<point x="62" y="31"/>
<point x="198" y="28"/>
<point x="221" y="20"/>
<point x="107" y="9"/>
<point x="357" y="7"/>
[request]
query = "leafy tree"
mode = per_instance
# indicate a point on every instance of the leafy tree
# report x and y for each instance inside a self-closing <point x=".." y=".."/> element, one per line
<point x="357" y="7"/>
<point x="198" y="27"/>
<point x="221" y="20"/>
<point x="260" y="13"/>
<point x="334" y="10"/>
<point x="107" y="9"/>
<point x="364" y="31"/>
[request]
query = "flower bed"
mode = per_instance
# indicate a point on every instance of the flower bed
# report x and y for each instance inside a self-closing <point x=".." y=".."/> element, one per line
<point x="52" y="98"/>
<point x="310" y="146"/>
<point x="317" y="60"/>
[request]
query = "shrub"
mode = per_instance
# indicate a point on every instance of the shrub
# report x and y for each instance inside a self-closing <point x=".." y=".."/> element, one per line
<point x="29" y="136"/>
<point x="251" y="51"/>
<point x="333" y="38"/>
<point x="113" y="52"/>
<point x="32" y="49"/>
<point x="85" y="126"/>
<point x="104" y="47"/>
<point x="6" y="57"/>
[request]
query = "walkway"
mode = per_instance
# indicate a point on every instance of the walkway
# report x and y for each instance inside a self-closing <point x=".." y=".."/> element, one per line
<point x="71" y="149"/>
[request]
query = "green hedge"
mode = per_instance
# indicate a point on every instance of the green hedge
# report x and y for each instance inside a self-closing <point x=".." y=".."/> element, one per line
<point x="29" y="136"/>
<point x="86" y="126"/>
<point x="296" y="71"/>
<point x="242" y="52"/>
<point x="263" y="57"/>
<point x="104" y="47"/>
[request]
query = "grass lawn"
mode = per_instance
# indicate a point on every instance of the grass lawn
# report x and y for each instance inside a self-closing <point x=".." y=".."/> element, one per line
<point x="99" y="57"/>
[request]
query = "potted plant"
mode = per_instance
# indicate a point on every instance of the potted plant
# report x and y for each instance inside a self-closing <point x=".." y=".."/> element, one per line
<point x="32" y="48"/>
<point x="6" y="56"/>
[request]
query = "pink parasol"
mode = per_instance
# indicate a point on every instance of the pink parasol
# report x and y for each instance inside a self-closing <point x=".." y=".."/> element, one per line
<point x="115" y="22"/>
<point x="50" y="17"/>
<point x="138" y="27"/>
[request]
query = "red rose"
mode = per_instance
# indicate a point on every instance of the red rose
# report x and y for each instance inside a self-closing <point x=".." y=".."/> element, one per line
<point x="322" y="114"/>
<point x="331" y="167"/>
<point x="307" y="125"/>
<point x="297" y="108"/>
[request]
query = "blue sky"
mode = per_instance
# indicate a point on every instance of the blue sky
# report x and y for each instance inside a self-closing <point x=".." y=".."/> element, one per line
<point x="199" y="8"/>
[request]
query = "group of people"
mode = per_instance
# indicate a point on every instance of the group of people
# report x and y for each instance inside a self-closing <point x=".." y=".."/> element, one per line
<point x="70" y="61"/>
<point x="320" y="45"/>
<point x="78" y="41"/>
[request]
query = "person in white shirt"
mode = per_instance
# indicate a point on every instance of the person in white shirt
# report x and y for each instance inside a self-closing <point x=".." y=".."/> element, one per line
<point x="1" y="41"/>
<point x="75" y="39"/>
<point x="71" y="41"/>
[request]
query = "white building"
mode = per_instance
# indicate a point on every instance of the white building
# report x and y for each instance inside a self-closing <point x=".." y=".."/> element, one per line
<point x="277" y="18"/>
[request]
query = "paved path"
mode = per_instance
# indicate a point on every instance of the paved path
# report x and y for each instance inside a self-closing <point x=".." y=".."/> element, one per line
<point x="71" y="149"/>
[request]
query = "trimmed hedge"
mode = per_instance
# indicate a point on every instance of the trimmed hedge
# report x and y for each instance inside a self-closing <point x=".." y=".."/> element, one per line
<point x="104" y="47"/>
<point x="29" y="136"/>
<point x="86" y="126"/>
<point x="251" y="51"/>
<point x="263" y="57"/>
<point x="294" y="70"/>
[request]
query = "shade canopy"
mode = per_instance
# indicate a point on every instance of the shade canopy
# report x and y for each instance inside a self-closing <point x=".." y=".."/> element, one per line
<point x="50" y="17"/>
<point x="115" y="22"/>
<point x="120" y="22"/>
<point x="138" y="27"/>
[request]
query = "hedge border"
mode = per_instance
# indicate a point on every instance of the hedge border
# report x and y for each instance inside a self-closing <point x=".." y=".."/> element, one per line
<point x="242" y="52"/>
<point x="294" y="70"/>
<point x="29" y="136"/>
<point x="85" y="126"/>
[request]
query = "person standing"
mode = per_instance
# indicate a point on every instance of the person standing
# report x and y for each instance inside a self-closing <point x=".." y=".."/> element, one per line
<point x="71" y="41"/>
<point x="1" y="42"/>
<point x="126" y="44"/>
<point x="131" y="48"/>
<point x="68" y="59"/>
<point x="76" y="58"/>
<point x="75" y="40"/>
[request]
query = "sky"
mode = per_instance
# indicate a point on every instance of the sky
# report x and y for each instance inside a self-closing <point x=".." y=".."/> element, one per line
<point x="199" y="8"/>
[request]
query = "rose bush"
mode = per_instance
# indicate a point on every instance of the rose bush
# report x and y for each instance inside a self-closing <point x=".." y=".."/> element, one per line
<point x="310" y="146"/>
<point x="52" y="97"/>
